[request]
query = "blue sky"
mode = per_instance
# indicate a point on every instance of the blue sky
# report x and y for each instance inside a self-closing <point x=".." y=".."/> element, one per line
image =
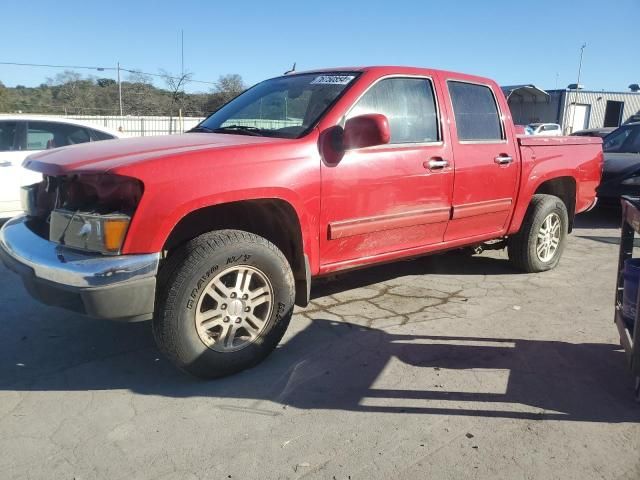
<point x="513" y="42"/>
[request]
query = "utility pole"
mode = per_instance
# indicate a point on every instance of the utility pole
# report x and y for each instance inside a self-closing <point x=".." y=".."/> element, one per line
<point x="119" y="89"/>
<point x="181" y="52"/>
<point x="575" y="99"/>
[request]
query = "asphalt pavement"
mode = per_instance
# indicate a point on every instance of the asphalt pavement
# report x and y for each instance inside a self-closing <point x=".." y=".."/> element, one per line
<point x="444" y="367"/>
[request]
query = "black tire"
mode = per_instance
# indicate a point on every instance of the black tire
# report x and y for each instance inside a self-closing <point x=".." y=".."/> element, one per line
<point x="522" y="246"/>
<point x="188" y="271"/>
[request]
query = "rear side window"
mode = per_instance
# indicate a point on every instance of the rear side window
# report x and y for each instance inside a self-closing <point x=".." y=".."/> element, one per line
<point x="408" y="104"/>
<point x="476" y="112"/>
<point x="8" y="136"/>
<point x="79" y="135"/>
<point x="98" y="135"/>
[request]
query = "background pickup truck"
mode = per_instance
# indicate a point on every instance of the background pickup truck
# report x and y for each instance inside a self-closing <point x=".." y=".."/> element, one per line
<point x="215" y="234"/>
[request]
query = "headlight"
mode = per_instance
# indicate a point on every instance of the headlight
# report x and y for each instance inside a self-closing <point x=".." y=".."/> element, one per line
<point x="631" y="181"/>
<point x="89" y="231"/>
<point x="89" y="212"/>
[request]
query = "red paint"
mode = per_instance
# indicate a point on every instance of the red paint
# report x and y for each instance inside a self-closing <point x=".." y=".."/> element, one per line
<point x="481" y="208"/>
<point x="366" y="131"/>
<point x="362" y="226"/>
<point x="357" y="207"/>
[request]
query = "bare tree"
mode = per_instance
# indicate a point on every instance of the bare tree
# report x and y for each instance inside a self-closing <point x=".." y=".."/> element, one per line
<point x="229" y="86"/>
<point x="139" y="96"/>
<point x="226" y="88"/>
<point x="175" y="85"/>
<point x="3" y="98"/>
<point x="72" y="91"/>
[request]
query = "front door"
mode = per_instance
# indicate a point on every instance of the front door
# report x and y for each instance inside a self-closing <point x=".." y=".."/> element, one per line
<point x="486" y="164"/>
<point x="391" y="197"/>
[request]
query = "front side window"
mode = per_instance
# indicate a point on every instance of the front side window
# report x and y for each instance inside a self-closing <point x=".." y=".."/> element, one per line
<point x="45" y="135"/>
<point x="8" y="136"/>
<point x="476" y="112"/>
<point x="408" y="104"/>
<point x="285" y="107"/>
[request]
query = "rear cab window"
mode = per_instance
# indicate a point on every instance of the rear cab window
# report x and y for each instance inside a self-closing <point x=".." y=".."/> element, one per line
<point x="476" y="112"/>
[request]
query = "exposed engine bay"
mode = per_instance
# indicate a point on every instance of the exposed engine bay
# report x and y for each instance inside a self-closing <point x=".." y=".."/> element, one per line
<point x="89" y="212"/>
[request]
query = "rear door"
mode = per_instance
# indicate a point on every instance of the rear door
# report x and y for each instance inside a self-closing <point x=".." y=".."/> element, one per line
<point x="486" y="162"/>
<point x="390" y="197"/>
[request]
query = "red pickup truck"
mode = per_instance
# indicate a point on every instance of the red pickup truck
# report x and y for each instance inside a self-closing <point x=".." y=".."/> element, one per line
<point x="217" y="233"/>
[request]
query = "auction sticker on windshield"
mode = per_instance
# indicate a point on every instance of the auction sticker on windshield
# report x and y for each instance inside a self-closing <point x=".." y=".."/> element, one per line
<point x="332" y="79"/>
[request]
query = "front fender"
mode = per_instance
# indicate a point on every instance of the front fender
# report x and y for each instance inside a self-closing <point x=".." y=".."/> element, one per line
<point x="151" y="227"/>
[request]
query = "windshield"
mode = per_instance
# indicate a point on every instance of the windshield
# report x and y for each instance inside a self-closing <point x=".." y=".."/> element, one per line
<point x="623" y="140"/>
<point x="285" y="107"/>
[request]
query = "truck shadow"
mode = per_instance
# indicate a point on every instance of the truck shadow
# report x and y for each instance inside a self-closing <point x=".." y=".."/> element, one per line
<point x="455" y="262"/>
<point x="336" y="365"/>
<point x="323" y="364"/>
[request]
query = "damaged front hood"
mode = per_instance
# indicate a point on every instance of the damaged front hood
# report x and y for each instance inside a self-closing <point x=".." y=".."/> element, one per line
<point x="108" y="154"/>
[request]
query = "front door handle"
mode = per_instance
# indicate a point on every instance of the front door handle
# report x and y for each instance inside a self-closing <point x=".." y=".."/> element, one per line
<point x="503" y="159"/>
<point x="5" y="163"/>
<point x="436" y="163"/>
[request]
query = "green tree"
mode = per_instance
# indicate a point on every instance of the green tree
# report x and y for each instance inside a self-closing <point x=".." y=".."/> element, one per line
<point x="105" y="82"/>
<point x="71" y="93"/>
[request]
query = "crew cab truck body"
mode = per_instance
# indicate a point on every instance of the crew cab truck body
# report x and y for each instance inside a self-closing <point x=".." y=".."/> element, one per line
<point x="215" y="234"/>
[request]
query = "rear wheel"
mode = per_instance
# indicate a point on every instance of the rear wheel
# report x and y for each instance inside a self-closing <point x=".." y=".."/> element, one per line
<point x="540" y="242"/>
<point x="224" y="302"/>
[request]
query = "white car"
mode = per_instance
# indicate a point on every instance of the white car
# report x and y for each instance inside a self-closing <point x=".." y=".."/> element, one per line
<point x="546" y="129"/>
<point x="22" y="135"/>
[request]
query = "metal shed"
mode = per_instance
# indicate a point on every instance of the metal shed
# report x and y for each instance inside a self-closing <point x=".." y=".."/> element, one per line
<point x="573" y="109"/>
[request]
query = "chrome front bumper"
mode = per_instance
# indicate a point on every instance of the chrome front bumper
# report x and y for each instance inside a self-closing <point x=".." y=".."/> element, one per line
<point x="115" y="287"/>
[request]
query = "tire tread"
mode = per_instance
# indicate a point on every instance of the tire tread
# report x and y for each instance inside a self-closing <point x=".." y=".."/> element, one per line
<point x="178" y="270"/>
<point x="520" y="243"/>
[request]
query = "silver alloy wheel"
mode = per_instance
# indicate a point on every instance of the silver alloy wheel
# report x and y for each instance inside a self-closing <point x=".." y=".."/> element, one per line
<point x="234" y="308"/>
<point x="548" y="239"/>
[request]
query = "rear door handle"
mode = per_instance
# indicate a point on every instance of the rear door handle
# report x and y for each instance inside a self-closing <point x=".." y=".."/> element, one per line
<point x="5" y="163"/>
<point x="436" y="164"/>
<point x="503" y="159"/>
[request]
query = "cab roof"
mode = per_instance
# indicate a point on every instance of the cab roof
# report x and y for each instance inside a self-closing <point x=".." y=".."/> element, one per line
<point x="398" y="70"/>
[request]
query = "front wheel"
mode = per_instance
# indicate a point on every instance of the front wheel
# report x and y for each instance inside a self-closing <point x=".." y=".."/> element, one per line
<point x="224" y="302"/>
<point x="539" y="244"/>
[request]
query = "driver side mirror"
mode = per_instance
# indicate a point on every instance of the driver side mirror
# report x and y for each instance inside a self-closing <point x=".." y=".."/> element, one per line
<point x="366" y="131"/>
<point x="359" y="132"/>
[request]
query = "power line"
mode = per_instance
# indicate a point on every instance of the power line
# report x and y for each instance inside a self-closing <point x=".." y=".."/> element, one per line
<point x="102" y="69"/>
<point x="56" y="66"/>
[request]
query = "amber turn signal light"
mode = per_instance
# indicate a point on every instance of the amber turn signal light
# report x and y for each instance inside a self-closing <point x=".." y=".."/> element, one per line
<point x="114" y="232"/>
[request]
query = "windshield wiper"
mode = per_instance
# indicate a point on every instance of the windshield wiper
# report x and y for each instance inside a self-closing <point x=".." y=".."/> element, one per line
<point x="200" y="128"/>
<point x="243" y="129"/>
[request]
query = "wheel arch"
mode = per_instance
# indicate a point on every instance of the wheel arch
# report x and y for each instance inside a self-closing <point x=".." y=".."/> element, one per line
<point x="561" y="186"/>
<point x="272" y="218"/>
<point x="565" y="189"/>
